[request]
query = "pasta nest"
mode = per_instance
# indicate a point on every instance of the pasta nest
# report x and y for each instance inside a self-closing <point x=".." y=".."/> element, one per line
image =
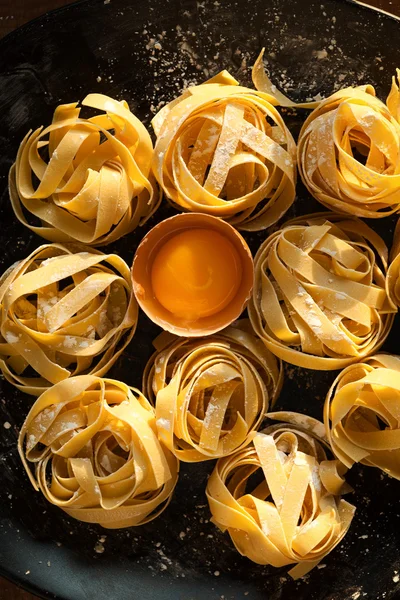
<point x="349" y="152"/>
<point x="90" y="446"/>
<point x="319" y="299"/>
<point x="86" y="180"/>
<point x="211" y="393"/>
<point x="224" y="150"/>
<point x="393" y="275"/>
<point x="279" y="498"/>
<point x="64" y="311"/>
<point x="361" y="414"/>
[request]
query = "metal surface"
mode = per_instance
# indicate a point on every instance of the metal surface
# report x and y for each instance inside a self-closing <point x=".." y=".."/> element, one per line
<point x="312" y="48"/>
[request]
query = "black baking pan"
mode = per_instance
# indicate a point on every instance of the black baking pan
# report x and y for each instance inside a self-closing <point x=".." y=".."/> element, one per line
<point x="312" y="47"/>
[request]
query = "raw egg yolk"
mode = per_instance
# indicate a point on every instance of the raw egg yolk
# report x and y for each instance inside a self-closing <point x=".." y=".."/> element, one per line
<point x="196" y="273"/>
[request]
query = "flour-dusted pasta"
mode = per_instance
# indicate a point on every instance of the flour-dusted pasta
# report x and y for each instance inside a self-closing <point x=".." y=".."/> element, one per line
<point x="362" y="411"/>
<point x="90" y="446"/>
<point x="393" y="99"/>
<point x="279" y="498"/>
<point x="211" y="394"/>
<point x="393" y="274"/>
<point x="319" y="299"/>
<point x="86" y="180"/>
<point x="224" y="149"/>
<point x="65" y="310"/>
<point x="349" y="153"/>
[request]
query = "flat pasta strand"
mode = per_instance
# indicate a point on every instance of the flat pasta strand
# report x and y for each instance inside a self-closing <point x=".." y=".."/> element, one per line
<point x="262" y="83"/>
<point x="319" y="299"/>
<point x="94" y="175"/>
<point x="224" y="150"/>
<point x="393" y="275"/>
<point x="65" y="311"/>
<point x="279" y="498"/>
<point x="211" y="394"/>
<point x="90" y="446"/>
<point x="349" y="152"/>
<point x="362" y="414"/>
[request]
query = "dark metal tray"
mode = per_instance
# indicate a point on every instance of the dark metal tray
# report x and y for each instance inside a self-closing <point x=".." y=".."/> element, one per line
<point x="105" y="45"/>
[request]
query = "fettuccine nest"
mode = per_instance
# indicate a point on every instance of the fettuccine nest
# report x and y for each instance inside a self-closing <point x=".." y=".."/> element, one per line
<point x="349" y="152"/>
<point x="393" y="275"/>
<point x="362" y="412"/>
<point x="65" y="311"/>
<point x="86" y="180"/>
<point x="279" y="498"/>
<point x="90" y="446"/>
<point x="319" y="299"/>
<point x="224" y="149"/>
<point x="211" y="394"/>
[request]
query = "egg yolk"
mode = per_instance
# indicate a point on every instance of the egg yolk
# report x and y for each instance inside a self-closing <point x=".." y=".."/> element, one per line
<point x="196" y="273"/>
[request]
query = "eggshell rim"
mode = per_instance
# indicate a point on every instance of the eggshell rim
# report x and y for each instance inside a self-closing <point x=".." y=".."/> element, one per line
<point x="148" y="248"/>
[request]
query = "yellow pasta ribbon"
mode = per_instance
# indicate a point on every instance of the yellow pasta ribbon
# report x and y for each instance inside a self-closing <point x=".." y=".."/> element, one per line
<point x="90" y="446"/>
<point x="362" y="414"/>
<point x="349" y="152"/>
<point x="94" y="181"/>
<point x="262" y="83"/>
<point x="65" y="310"/>
<point x="279" y="498"/>
<point x="319" y="299"/>
<point x="224" y="149"/>
<point x="211" y="393"/>
<point x="393" y="275"/>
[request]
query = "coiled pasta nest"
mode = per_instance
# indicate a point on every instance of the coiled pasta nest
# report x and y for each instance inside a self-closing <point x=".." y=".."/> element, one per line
<point x="211" y="394"/>
<point x="224" y="149"/>
<point x="319" y="299"/>
<point x="361" y="414"/>
<point x="349" y="152"/>
<point x="65" y="310"/>
<point x="90" y="446"/>
<point x="85" y="180"/>
<point x="279" y="498"/>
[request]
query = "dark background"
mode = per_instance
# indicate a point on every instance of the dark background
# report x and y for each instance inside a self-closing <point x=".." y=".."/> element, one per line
<point x="14" y="13"/>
